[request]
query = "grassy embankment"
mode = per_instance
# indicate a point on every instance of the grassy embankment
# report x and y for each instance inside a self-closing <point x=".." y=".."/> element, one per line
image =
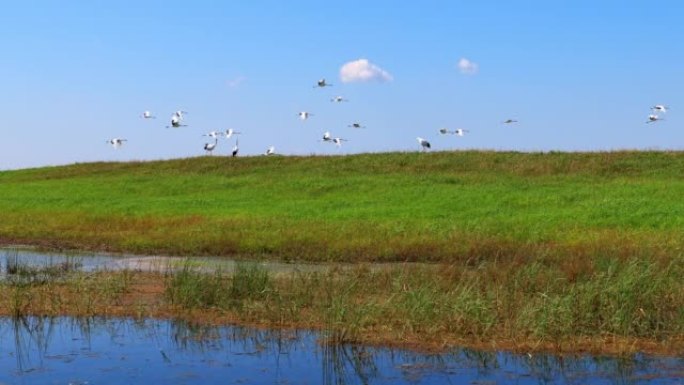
<point x="444" y="207"/>
<point x="568" y="251"/>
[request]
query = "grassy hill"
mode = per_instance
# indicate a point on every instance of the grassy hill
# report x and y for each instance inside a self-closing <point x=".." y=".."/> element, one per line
<point x="446" y="206"/>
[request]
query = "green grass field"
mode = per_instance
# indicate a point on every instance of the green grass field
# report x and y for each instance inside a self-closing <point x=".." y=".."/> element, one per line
<point x="446" y="206"/>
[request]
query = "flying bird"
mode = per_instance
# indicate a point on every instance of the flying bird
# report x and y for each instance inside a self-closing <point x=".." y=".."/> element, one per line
<point x="209" y="147"/>
<point x="654" y="118"/>
<point x="326" y="137"/>
<point x="116" y="142"/>
<point x="322" y="83"/>
<point x="509" y="121"/>
<point x="213" y="134"/>
<point x="176" y="119"/>
<point x="304" y="115"/>
<point x="356" y="125"/>
<point x="235" y="148"/>
<point x="458" y="131"/>
<point x="230" y="132"/>
<point x="175" y="122"/>
<point x="338" y="141"/>
<point x="424" y="144"/>
<point x="660" y="108"/>
<point x="339" y="99"/>
<point x="147" y="115"/>
<point x="270" y="151"/>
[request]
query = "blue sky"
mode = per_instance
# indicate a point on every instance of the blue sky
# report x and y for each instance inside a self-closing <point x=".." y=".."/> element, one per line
<point x="578" y="75"/>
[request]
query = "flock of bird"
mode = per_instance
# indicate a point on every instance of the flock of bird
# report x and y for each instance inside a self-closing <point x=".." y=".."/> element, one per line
<point x="178" y="117"/>
<point x="327" y="136"/>
<point x="177" y="121"/>
<point x="425" y="144"/>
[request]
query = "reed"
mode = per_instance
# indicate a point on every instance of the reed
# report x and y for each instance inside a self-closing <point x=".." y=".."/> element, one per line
<point x="536" y="305"/>
<point x="629" y="298"/>
<point x="192" y="288"/>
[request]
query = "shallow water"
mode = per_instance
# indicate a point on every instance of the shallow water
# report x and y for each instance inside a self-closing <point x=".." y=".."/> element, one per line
<point x="89" y="262"/>
<point x="125" y="351"/>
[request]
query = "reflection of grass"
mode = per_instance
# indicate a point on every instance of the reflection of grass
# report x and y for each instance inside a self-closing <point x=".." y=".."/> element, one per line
<point x="23" y="272"/>
<point x="596" y="304"/>
<point x="447" y="207"/>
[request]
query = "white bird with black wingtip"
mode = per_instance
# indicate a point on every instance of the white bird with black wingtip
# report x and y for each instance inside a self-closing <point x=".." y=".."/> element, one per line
<point x="270" y="151"/>
<point x="177" y="119"/>
<point x="235" y="149"/>
<point x="230" y="132"/>
<point x="338" y="141"/>
<point x="339" y="99"/>
<point x="209" y="147"/>
<point x="326" y="137"/>
<point x="147" y="115"/>
<point x="322" y="83"/>
<point x="116" y="142"/>
<point x="304" y="115"/>
<point x="654" y="118"/>
<point x="213" y="134"/>
<point x="660" y="108"/>
<point x="424" y="144"/>
<point x="457" y="132"/>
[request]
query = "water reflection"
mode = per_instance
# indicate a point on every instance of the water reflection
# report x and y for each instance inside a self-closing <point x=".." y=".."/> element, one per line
<point x="89" y="262"/>
<point x="345" y="364"/>
<point x="81" y="350"/>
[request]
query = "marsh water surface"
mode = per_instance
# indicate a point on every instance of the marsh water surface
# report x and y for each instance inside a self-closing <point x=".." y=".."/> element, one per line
<point x="115" y="262"/>
<point x="126" y="351"/>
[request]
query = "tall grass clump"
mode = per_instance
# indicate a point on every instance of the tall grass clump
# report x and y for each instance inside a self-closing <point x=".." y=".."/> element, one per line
<point x="635" y="298"/>
<point x="190" y="287"/>
<point x="470" y="312"/>
<point x="341" y="315"/>
<point x="250" y="281"/>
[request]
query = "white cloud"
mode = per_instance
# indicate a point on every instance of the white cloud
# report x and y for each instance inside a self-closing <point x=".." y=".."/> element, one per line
<point x="363" y="71"/>
<point x="234" y="83"/>
<point x="468" y="67"/>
